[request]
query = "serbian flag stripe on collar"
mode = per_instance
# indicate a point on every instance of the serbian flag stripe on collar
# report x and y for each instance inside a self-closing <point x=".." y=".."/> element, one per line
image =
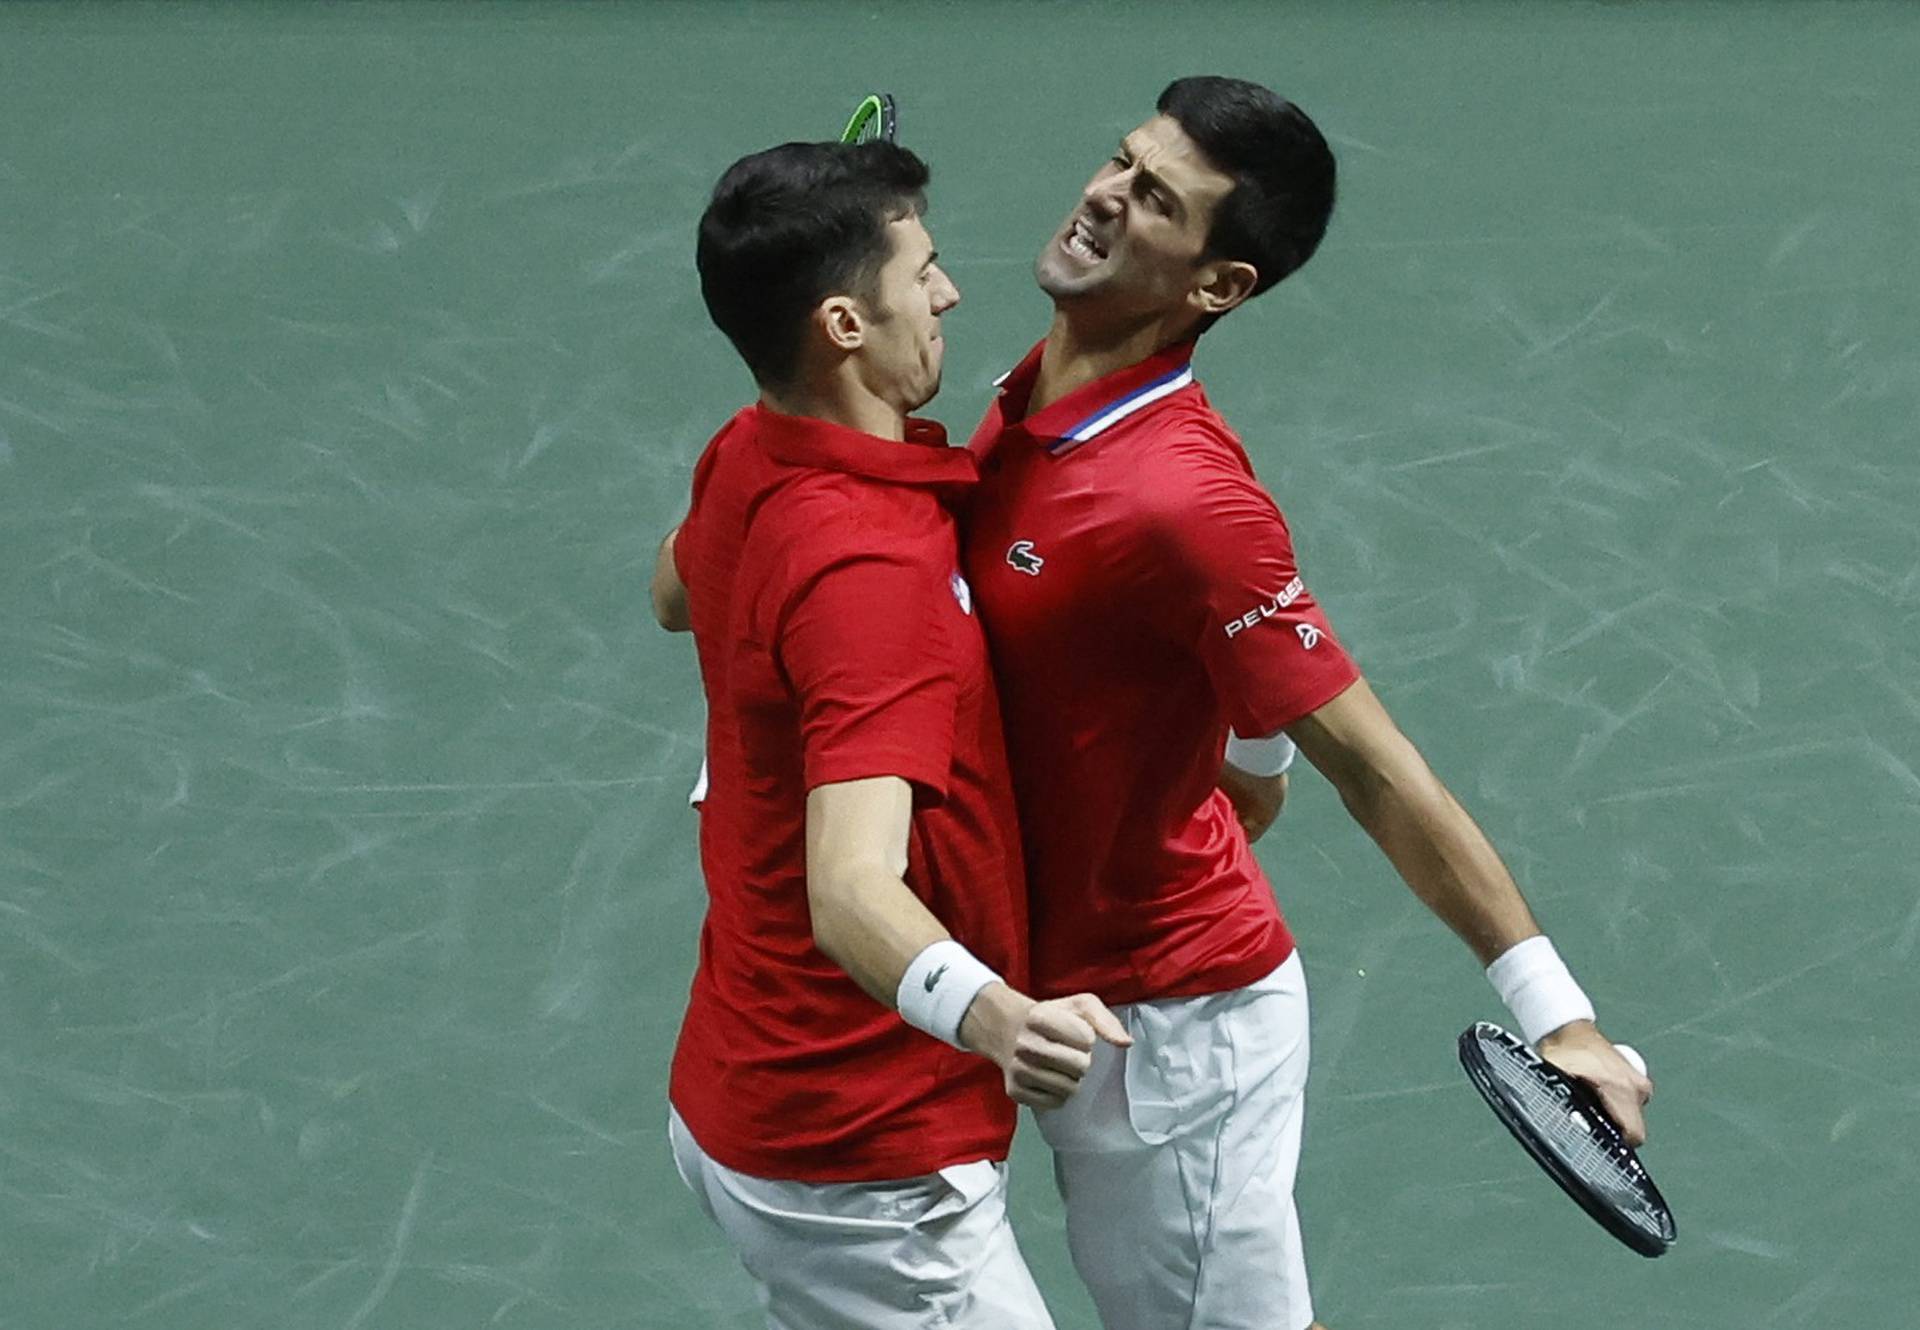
<point x="1114" y="412"/>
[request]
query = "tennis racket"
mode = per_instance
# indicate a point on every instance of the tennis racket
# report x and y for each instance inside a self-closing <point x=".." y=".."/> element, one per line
<point x="875" y="118"/>
<point x="1561" y="1124"/>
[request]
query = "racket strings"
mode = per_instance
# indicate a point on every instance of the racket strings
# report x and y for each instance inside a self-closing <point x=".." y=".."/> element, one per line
<point x="1587" y="1144"/>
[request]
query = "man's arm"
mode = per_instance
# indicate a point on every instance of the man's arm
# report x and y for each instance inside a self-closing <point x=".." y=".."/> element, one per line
<point x="669" y="592"/>
<point x="868" y="921"/>
<point x="1449" y="863"/>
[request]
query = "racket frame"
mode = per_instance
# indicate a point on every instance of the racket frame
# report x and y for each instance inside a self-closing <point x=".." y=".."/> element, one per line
<point x="1602" y="1127"/>
<point x="879" y="110"/>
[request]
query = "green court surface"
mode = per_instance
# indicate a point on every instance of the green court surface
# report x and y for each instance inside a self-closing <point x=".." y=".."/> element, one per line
<point x="352" y="362"/>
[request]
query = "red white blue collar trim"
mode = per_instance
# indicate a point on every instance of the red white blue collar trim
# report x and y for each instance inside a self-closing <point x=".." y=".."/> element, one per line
<point x="1115" y="412"/>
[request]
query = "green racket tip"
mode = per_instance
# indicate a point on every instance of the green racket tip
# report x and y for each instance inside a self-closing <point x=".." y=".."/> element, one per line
<point x="869" y="109"/>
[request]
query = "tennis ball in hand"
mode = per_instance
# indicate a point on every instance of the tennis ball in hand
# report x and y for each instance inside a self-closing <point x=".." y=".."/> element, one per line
<point x="1632" y="1056"/>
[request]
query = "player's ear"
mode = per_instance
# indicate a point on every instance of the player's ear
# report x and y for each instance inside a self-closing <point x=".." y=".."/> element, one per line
<point x="1223" y="284"/>
<point x="839" y="321"/>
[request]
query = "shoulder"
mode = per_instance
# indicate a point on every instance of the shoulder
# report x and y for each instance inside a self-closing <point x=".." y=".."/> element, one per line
<point x="1193" y="474"/>
<point x="832" y="510"/>
<point x="819" y="520"/>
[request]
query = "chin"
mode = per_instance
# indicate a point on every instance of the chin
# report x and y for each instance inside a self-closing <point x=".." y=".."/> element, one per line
<point x="1046" y="273"/>
<point x="1063" y="283"/>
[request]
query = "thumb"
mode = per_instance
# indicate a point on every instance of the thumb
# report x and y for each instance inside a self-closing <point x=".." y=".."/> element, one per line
<point x="1104" y="1022"/>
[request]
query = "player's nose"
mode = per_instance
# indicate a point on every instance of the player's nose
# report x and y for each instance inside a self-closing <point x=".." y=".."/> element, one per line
<point x="945" y="294"/>
<point x="1103" y="195"/>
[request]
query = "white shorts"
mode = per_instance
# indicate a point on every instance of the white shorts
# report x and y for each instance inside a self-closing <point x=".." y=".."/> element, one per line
<point x="920" y="1253"/>
<point x="1176" y="1162"/>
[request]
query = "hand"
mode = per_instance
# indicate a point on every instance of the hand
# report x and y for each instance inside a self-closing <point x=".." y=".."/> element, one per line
<point x="1580" y="1050"/>
<point x="1257" y="800"/>
<point x="1041" y="1048"/>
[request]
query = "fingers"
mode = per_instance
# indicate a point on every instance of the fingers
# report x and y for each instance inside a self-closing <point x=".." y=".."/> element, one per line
<point x="1624" y="1109"/>
<point x="1054" y="1048"/>
<point x="1581" y="1050"/>
<point x="1051" y="1053"/>
<point x="1102" y="1020"/>
<point x="1038" y="1087"/>
<point x="1035" y="1050"/>
<point x="1029" y="1099"/>
<point x="1623" y="1092"/>
<point x="1063" y="1022"/>
<point x="1628" y="1108"/>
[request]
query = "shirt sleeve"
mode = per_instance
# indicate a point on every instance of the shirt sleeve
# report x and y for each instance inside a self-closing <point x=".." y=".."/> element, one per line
<point x="1266" y="644"/>
<point x="867" y="644"/>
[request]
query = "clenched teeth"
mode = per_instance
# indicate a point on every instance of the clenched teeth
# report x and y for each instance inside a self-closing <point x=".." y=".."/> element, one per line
<point x="1080" y="241"/>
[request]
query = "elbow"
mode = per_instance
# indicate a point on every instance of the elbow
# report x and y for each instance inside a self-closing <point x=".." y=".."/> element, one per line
<point x="670" y="612"/>
<point x="828" y="915"/>
<point x="1380" y="797"/>
<point x="669" y="592"/>
<point x="670" y="604"/>
<point x="1364" y="791"/>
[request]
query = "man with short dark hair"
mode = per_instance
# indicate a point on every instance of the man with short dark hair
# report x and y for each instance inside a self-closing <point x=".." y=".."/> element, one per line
<point x="843" y="1088"/>
<point x="1146" y="614"/>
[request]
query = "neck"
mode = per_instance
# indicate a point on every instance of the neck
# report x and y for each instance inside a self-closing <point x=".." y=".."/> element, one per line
<point x="1079" y="351"/>
<point x="838" y="400"/>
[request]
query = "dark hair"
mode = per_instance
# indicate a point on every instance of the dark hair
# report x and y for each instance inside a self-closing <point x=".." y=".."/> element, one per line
<point x="790" y="226"/>
<point x="1282" y="171"/>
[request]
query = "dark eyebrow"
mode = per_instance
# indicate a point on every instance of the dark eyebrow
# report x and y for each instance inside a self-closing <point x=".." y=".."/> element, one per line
<point x="932" y="254"/>
<point x="1153" y="181"/>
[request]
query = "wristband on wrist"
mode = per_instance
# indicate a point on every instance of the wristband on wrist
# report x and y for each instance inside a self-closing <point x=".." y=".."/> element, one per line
<point x="1538" y="988"/>
<point x="938" y="987"/>
<point x="1261" y="757"/>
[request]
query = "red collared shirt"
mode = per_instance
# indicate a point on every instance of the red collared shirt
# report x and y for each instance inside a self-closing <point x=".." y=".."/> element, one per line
<point x="837" y="641"/>
<point x="1139" y="593"/>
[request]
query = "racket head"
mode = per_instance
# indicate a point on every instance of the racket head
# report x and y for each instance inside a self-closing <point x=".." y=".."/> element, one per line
<point x="1561" y="1124"/>
<point x="877" y="117"/>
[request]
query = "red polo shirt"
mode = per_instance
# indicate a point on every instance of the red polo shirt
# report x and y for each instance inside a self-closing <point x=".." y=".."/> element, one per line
<point x="1140" y="595"/>
<point x="837" y="641"/>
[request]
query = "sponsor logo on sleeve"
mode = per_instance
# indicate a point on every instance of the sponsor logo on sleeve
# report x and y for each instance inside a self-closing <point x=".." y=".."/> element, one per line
<point x="1020" y="554"/>
<point x="961" y="592"/>
<point x="1289" y="593"/>
<point x="1309" y="635"/>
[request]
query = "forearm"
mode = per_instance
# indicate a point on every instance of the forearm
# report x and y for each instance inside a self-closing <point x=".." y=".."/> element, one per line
<point x="874" y="929"/>
<point x="869" y="923"/>
<point x="867" y="920"/>
<point x="1451" y="866"/>
<point x="1441" y="853"/>
<point x="1448" y="861"/>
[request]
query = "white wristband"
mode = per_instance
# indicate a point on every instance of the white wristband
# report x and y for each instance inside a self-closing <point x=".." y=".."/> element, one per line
<point x="1538" y="988"/>
<point x="1261" y="757"/>
<point x="938" y="987"/>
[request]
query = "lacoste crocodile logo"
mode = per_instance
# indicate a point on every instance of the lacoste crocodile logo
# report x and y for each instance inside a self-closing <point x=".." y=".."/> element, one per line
<point x="933" y="978"/>
<point x="1020" y="554"/>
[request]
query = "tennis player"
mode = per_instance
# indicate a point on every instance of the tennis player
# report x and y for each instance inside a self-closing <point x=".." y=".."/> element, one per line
<point x="843" y="1090"/>
<point x="1145" y="612"/>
